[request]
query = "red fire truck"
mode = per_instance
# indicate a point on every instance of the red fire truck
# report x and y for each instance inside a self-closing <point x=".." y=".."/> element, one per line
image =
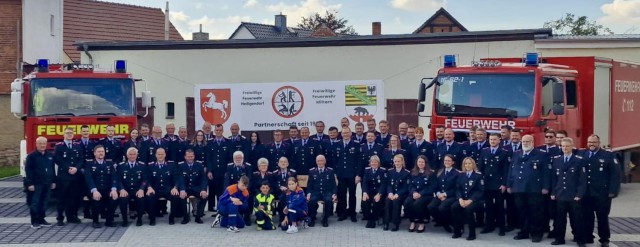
<point x="53" y="98"/>
<point x="582" y="95"/>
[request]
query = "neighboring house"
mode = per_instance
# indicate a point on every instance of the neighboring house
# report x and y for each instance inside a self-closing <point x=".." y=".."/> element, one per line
<point x="248" y="30"/>
<point x="441" y="22"/>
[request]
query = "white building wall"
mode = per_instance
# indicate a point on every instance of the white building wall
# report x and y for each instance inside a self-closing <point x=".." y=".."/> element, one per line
<point x="171" y="74"/>
<point x="243" y="33"/>
<point x="42" y="30"/>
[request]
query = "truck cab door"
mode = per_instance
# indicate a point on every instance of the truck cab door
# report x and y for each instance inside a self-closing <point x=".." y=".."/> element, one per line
<point x="560" y="107"/>
<point x="550" y="93"/>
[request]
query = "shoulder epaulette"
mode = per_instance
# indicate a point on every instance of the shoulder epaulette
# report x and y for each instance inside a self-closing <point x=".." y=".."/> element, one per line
<point x="557" y="156"/>
<point x="292" y="170"/>
<point x="181" y="162"/>
<point x="367" y="168"/>
<point x="382" y="168"/>
<point x="313" y="169"/>
<point x="579" y="157"/>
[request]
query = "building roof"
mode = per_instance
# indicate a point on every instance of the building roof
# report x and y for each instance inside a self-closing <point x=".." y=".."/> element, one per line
<point x="612" y="37"/>
<point x="364" y="40"/>
<point x="264" y="31"/>
<point x="89" y="20"/>
<point x="441" y="11"/>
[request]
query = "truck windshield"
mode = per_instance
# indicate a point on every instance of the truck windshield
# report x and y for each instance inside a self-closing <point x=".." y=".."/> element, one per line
<point x="82" y="97"/>
<point x="488" y="95"/>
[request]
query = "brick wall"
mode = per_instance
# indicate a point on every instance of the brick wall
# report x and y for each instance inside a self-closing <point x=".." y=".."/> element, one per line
<point x="11" y="132"/>
<point x="10" y="14"/>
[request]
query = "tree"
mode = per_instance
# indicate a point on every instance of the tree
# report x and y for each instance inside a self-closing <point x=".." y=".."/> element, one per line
<point x="331" y="20"/>
<point x="570" y="24"/>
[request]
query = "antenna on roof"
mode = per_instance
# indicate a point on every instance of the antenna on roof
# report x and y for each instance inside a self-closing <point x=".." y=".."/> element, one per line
<point x="166" y="22"/>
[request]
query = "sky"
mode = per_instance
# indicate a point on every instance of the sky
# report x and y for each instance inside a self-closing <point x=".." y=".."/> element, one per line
<point x="221" y="17"/>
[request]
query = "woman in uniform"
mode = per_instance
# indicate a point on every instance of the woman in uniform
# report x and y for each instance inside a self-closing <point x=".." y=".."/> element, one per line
<point x="420" y="147"/>
<point x="422" y="185"/>
<point x="373" y="191"/>
<point x="391" y="151"/>
<point x="469" y="193"/>
<point x="199" y="146"/>
<point x="397" y="190"/>
<point x="257" y="150"/>
<point x="445" y="196"/>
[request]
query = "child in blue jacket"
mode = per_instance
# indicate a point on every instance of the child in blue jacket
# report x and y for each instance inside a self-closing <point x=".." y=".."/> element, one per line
<point x="296" y="206"/>
<point x="231" y="206"/>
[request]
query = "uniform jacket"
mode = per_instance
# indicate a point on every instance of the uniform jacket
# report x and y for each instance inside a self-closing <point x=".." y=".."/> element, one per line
<point x="164" y="178"/>
<point x="304" y="156"/>
<point x="530" y="173"/>
<point x="347" y="159"/>
<point x="398" y="182"/>
<point x="194" y="178"/>
<point x="322" y="183"/>
<point x="132" y="179"/>
<point x="65" y="157"/>
<point x="235" y="172"/>
<point x="375" y="182"/>
<point x="455" y="149"/>
<point x="603" y="173"/>
<point x="568" y="179"/>
<point x="494" y="167"/>
<point x="470" y="187"/>
<point x="39" y="169"/>
<point x="387" y="157"/>
<point x="219" y="156"/>
<point x="423" y="184"/>
<point x="447" y="182"/>
<point x="101" y="176"/>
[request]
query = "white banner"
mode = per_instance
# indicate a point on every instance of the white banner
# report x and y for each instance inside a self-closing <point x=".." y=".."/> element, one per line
<point x="270" y="106"/>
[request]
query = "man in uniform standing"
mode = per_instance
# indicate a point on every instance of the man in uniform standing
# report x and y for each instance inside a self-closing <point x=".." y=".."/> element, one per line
<point x="181" y="144"/>
<point x="347" y="159"/>
<point x="132" y="181"/>
<point x="384" y="136"/>
<point x="39" y="180"/>
<point x="238" y="141"/>
<point x="369" y="148"/>
<point x="439" y="136"/>
<point x="149" y="148"/>
<point x="528" y="181"/>
<point x="305" y="151"/>
<point x="319" y="135"/>
<point x="144" y="133"/>
<point x="493" y="163"/>
<point x="322" y="188"/>
<point x="101" y="179"/>
<point x="603" y="184"/>
<point x="68" y="157"/>
<point x="218" y="158"/>
<point x="86" y="149"/>
<point x="448" y="147"/>
<point x="111" y="146"/>
<point x="276" y="150"/>
<point x="293" y="135"/>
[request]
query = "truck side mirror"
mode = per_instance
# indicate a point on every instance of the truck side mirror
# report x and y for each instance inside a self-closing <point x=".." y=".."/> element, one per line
<point x="558" y="93"/>
<point x="420" y="107"/>
<point x="16" y="103"/>
<point x="146" y="99"/>
<point x="558" y="110"/>
<point x="422" y="92"/>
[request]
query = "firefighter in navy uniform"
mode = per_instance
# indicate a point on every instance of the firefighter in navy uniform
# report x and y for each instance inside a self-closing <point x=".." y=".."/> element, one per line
<point x="181" y="144"/>
<point x="238" y="141"/>
<point x="258" y="178"/>
<point x="235" y="170"/>
<point x="603" y="184"/>
<point x="369" y="148"/>
<point x="112" y="146"/>
<point x="69" y="159"/>
<point x="280" y="178"/>
<point x="321" y="188"/>
<point x="149" y="147"/>
<point x="397" y="191"/>
<point x="276" y="150"/>
<point x="469" y="192"/>
<point x="305" y="151"/>
<point x="481" y="143"/>
<point x="329" y="144"/>
<point x="374" y="183"/>
<point x="195" y="184"/>
<point x="549" y="206"/>
<point x="445" y="196"/>
<point x="449" y="146"/>
<point x="86" y="149"/>
<point x="347" y="157"/>
<point x="493" y="163"/>
<point x="101" y="179"/>
<point x="569" y="185"/>
<point x="320" y="135"/>
<point x="218" y="157"/>
<point x="164" y="181"/>
<point x="418" y="147"/>
<point x="132" y="182"/>
<point x="528" y="182"/>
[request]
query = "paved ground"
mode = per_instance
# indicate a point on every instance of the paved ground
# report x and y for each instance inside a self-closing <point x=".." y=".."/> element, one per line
<point x="15" y="231"/>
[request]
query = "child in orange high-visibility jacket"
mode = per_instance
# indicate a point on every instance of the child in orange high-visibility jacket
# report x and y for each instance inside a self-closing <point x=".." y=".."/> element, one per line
<point x="231" y="206"/>
<point x="296" y="206"/>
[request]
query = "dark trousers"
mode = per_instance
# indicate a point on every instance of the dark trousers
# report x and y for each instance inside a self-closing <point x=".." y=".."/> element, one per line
<point x="106" y="205"/>
<point x="441" y="210"/>
<point x="513" y="218"/>
<point x="600" y="206"/>
<point x="373" y="210"/>
<point x="530" y="211"/>
<point x="86" y="205"/>
<point x="393" y="209"/>
<point x="574" y="209"/>
<point x="346" y="185"/>
<point x="464" y="215"/>
<point x="200" y="204"/>
<point x="327" y="205"/>
<point x="494" y="207"/>
<point x="68" y="203"/>
<point x="216" y="188"/>
<point x="264" y="220"/>
<point x="38" y="200"/>
<point x="152" y="203"/>
<point x="124" y="204"/>
<point x="549" y="212"/>
<point x="248" y="213"/>
<point x="416" y="210"/>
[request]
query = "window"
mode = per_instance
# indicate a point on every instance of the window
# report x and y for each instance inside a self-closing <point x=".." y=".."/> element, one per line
<point x="572" y="94"/>
<point x="170" y="110"/>
<point x="548" y="86"/>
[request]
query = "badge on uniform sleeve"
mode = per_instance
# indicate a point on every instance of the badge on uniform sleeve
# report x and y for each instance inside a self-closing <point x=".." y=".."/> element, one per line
<point x="601" y="160"/>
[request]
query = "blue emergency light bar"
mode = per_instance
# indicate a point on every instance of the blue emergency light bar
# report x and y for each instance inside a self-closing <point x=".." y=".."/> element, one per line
<point x="531" y="59"/>
<point x="120" y="66"/>
<point x="449" y="61"/>
<point x="43" y="65"/>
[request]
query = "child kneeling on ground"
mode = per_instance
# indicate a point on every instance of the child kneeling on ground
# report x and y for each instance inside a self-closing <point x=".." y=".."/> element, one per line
<point x="231" y="206"/>
<point x="296" y="209"/>
<point x="263" y="208"/>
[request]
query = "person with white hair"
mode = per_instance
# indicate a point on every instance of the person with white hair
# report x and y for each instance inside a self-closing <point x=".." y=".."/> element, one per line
<point x="235" y="170"/>
<point x="39" y="181"/>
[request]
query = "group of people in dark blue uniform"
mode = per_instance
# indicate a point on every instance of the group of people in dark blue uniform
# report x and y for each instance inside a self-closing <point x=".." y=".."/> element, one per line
<point x="498" y="181"/>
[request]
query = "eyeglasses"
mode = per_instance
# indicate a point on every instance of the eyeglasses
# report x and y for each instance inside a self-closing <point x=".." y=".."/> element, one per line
<point x="549" y="136"/>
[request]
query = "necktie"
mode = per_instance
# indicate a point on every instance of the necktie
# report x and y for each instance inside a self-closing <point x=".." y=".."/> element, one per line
<point x="566" y="159"/>
<point x="131" y="165"/>
<point x="479" y="145"/>
<point x="446" y="172"/>
<point x="304" y="142"/>
<point x="218" y="140"/>
<point x="321" y="171"/>
<point x="277" y="146"/>
<point x="345" y="145"/>
<point x="158" y="142"/>
<point x="448" y="146"/>
<point x="370" y="146"/>
<point x="468" y="174"/>
<point x="493" y="151"/>
<point x="590" y="154"/>
<point x="69" y="145"/>
<point x="284" y="175"/>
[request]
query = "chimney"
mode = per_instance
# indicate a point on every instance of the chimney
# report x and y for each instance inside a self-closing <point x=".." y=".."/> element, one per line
<point x="281" y="23"/>
<point x="200" y="36"/>
<point x="166" y="22"/>
<point x="376" y="28"/>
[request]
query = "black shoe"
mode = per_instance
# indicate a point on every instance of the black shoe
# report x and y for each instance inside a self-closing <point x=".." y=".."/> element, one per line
<point x="487" y="230"/>
<point x="97" y="225"/>
<point x="125" y="224"/>
<point x="501" y="232"/>
<point x="521" y="236"/>
<point x="325" y="223"/>
<point x="385" y="227"/>
<point x="342" y="218"/>
<point x="604" y="244"/>
<point x="589" y="241"/>
<point x="456" y="235"/>
<point x="447" y="228"/>
<point x="312" y="223"/>
<point x="437" y="224"/>
<point x="151" y="222"/>
<point x="354" y="219"/>
<point x="395" y="228"/>
<point x="159" y="215"/>
<point x="171" y="221"/>
<point x="536" y="239"/>
<point x="509" y="229"/>
<point x="480" y="224"/>
<point x="371" y="224"/>
<point x="556" y="242"/>
<point x="44" y="223"/>
<point x="471" y="237"/>
<point x="551" y="235"/>
<point x="75" y="220"/>
<point x="199" y="221"/>
<point x="110" y="224"/>
<point x="60" y="223"/>
<point x="87" y="216"/>
<point x="185" y="221"/>
<point x="582" y="245"/>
